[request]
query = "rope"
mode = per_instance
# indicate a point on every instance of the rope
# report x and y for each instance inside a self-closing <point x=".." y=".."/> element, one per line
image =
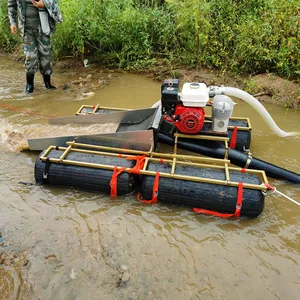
<point x="287" y="197"/>
<point x="25" y="111"/>
<point x="274" y="190"/>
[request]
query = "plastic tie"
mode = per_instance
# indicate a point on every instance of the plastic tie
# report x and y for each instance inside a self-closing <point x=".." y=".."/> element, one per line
<point x="238" y="206"/>
<point x="233" y="138"/>
<point x="269" y="187"/>
<point x="154" y="192"/>
<point x="114" y="182"/>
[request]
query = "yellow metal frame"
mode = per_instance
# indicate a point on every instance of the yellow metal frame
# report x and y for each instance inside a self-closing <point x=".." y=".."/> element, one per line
<point x="207" y="117"/>
<point x="248" y="128"/>
<point x="202" y="137"/>
<point x="172" y="159"/>
<point x="98" y="107"/>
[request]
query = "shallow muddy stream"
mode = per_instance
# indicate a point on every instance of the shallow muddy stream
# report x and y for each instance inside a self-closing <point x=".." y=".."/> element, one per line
<point x="67" y="244"/>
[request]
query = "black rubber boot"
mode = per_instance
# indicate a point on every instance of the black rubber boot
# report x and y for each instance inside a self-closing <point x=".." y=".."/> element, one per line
<point x="48" y="83"/>
<point x="29" y="83"/>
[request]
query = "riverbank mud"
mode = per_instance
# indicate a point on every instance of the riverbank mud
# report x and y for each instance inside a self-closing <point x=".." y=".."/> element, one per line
<point x="267" y="87"/>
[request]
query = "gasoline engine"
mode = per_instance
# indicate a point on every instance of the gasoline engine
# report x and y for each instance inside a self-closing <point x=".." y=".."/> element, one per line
<point x="186" y="109"/>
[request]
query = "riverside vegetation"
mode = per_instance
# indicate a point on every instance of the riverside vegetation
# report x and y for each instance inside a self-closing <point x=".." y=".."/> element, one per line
<point x="239" y="36"/>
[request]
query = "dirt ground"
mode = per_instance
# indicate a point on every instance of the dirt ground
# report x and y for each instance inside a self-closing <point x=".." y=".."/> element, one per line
<point x="265" y="87"/>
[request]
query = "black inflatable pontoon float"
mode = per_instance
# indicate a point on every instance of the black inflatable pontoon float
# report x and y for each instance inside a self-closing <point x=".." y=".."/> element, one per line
<point x="125" y="161"/>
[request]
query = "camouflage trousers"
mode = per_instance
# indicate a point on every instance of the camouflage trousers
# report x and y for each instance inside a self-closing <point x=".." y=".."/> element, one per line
<point x="37" y="48"/>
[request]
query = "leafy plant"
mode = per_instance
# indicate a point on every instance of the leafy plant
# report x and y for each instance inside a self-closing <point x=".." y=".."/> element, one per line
<point x="245" y="36"/>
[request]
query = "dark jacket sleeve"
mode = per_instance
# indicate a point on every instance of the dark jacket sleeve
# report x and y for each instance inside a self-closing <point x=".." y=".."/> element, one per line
<point x="12" y="12"/>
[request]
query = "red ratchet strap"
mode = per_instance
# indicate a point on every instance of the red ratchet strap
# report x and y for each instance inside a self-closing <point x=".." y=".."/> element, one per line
<point x="233" y="138"/>
<point x="154" y="192"/>
<point x="238" y="206"/>
<point x="114" y="181"/>
<point x="140" y="161"/>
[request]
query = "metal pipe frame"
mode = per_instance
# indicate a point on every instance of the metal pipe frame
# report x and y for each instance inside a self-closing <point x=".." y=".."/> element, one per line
<point x="96" y="108"/>
<point x="173" y="161"/>
<point x="207" y="117"/>
<point x="247" y="128"/>
<point x="149" y="153"/>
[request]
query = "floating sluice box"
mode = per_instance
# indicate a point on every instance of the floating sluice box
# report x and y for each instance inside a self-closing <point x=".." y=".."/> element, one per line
<point x="137" y="130"/>
<point x="87" y="178"/>
<point x="243" y="134"/>
<point x="219" y="198"/>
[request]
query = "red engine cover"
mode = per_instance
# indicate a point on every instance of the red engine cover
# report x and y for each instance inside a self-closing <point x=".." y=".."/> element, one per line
<point x="189" y="119"/>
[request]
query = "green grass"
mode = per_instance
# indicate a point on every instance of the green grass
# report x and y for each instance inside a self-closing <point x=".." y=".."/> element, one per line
<point x="243" y="37"/>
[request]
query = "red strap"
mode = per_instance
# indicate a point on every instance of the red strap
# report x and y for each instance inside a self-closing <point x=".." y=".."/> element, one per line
<point x="211" y="212"/>
<point x="154" y="192"/>
<point x="269" y="187"/>
<point x="120" y="155"/>
<point x="238" y="206"/>
<point x="233" y="138"/>
<point x="243" y="170"/>
<point x="140" y="161"/>
<point x="114" y="181"/>
<point x="239" y="200"/>
<point x="161" y="161"/>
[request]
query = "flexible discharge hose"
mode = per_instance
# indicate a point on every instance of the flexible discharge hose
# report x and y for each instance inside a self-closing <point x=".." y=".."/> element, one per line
<point x="234" y="92"/>
<point x="236" y="157"/>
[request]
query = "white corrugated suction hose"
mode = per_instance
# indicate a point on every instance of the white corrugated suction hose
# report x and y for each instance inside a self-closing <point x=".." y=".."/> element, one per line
<point x="234" y="92"/>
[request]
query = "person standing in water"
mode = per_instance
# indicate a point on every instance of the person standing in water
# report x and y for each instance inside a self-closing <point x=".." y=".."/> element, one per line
<point x="36" y="23"/>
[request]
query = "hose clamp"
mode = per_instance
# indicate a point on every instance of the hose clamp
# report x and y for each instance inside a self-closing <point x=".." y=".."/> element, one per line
<point x="249" y="158"/>
<point x="216" y="90"/>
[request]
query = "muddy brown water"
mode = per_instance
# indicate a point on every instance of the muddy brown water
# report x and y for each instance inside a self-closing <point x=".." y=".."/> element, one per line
<point x="67" y="244"/>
